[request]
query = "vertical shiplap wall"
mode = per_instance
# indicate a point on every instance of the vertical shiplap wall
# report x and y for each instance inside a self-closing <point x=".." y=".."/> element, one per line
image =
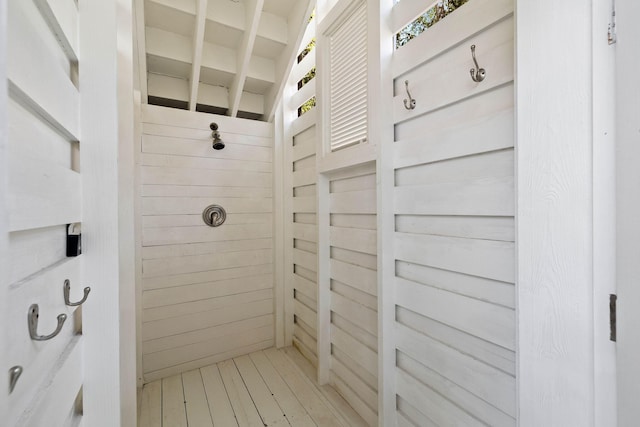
<point x="303" y="260"/>
<point x="207" y="293"/>
<point x="454" y="210"/>
<point x="353" y="288"/>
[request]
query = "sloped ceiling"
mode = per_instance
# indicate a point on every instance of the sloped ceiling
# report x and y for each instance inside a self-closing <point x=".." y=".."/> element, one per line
<point x="223" y="56"/>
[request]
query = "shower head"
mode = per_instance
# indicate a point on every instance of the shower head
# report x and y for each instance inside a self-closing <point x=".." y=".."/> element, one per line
<point x="217" y="142"/>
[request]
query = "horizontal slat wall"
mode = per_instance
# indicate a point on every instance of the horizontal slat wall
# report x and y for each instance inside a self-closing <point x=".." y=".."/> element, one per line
<point x="454" y="223"/>
<point x="44" y="195"/>
<point x="354" y="302"/>
<point x="304" y="237"/>
<point x="300" y="225"/>
<point x="207" y="292"/>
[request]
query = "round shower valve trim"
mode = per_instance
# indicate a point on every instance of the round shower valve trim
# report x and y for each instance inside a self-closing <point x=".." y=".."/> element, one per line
<point x="214" y="215"/>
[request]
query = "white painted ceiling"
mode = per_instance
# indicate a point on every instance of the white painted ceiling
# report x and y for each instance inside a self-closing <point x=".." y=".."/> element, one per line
<point x="224" y="56"/>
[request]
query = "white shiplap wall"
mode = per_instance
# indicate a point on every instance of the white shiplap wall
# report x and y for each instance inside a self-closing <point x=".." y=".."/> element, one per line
<point x="207" y="293"/>
<point x="354" y="285"/>
<point x="454" y="222"/>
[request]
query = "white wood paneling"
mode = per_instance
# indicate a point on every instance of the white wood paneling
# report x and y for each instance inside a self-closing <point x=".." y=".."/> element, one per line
<point x="205" y="276"/>
<point x="628" y="206"/>
<point x="41" y="72"/>
<point x="301" y="239"/>
<point x="556" y="231"/>
<point x="86" y="373"/>
<point x="353" y="286"/>
<point x="454" y="204"/>
<point x="207" y="293"/>
<point x="106" y="84"/>
<point x="55" y="401"/>
<point x="44" y="194"/>
<point x="4" y="212"/>
<point x="53" y="189"/>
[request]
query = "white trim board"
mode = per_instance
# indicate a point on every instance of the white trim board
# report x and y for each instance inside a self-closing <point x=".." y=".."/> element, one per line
<point x="628" y="206"/>
<point x="554" y="214"/>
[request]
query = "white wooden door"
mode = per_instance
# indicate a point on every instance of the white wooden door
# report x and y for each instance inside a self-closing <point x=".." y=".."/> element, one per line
<point x="454" y="206"/>
<point x="628" y="212"/>
<point x="67" y="365"/>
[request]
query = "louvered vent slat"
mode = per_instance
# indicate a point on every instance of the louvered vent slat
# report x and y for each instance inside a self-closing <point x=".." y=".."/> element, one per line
<point x="348" y="80"/>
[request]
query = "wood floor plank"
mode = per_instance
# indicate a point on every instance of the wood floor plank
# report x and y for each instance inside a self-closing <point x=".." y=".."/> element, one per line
<point x="151" y="405"/>
<point x="261" y="389"/>
<point x="173" y="410"/>
<point x="243" y="407"/>
<point x="196" y="400"/>
<point x="219" y="404"/>
<point x="340" y="407"/>
<point x="293" y="409"/>
<point x="268" y="408"/>
<point x="316" y="408"/>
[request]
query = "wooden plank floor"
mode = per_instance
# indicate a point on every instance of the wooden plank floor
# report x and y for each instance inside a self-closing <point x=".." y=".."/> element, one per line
<point x="265" y="388"/>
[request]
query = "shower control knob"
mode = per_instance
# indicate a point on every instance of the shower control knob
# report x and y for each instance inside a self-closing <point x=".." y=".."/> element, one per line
<point x="214" y="215"/>
<point x="213" y="126"/>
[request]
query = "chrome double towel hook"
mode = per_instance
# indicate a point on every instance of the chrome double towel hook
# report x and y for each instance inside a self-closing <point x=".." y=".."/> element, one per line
<point x="32" y="320"/>
<point x="477" y="74"/>
<point x="411" y="102"/>
<point x="67" y="292"/>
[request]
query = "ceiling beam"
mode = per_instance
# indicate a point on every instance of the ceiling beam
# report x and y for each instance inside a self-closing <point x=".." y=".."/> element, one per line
<point x="298" y="20"/>
<point x="253" y="10"/>
<point x="198" y="42"/>
<point x="142" y="48"/>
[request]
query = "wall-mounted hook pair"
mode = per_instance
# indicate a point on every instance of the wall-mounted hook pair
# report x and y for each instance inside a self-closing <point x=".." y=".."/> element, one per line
<point x="67" y="292"/>
<point x="34" y="314"/>
<point x="477" y="74"/>
<point x="410" y="103"/>
<point x="32" y="320"/>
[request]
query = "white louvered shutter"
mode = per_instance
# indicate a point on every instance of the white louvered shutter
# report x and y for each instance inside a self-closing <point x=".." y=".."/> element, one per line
<point x="348" y="80"/>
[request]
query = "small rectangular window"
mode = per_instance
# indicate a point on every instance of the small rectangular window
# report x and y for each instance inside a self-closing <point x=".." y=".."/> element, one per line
<point x="437" y="12"/>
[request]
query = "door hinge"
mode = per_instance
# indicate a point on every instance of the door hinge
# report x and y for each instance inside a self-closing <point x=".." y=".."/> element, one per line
<point x="613" y="298"/>
<point x="611" y="33"/>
